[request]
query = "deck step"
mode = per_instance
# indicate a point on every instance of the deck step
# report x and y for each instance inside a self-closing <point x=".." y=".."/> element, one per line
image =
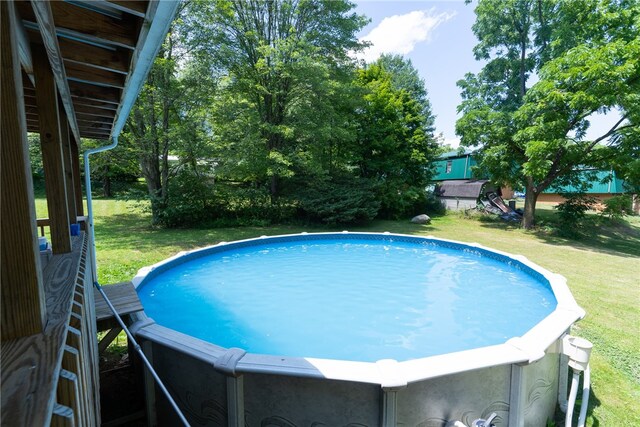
<point x="124" y="298"/>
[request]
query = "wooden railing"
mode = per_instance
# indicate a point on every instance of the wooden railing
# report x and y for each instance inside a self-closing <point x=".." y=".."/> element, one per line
<point x="45" y="222"/>
<point x="52" y="378"/>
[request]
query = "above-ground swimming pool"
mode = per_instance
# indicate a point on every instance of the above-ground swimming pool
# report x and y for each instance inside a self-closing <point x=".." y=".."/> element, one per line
<point x="355" y="329"/>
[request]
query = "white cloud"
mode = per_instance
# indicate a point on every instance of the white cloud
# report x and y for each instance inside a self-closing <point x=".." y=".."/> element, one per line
<point x="453" y="142"/>
<point x="399" y="34"/>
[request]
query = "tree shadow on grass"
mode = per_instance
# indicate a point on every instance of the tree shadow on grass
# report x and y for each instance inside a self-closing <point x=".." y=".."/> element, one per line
<point x="133" y="230"/>
<point x="594" y="402"/>
<point x="615" y="238"/>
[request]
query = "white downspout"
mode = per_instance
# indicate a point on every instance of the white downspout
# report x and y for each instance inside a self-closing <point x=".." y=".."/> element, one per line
<point x="87" y="183"/>
<point x="156" y="30"/>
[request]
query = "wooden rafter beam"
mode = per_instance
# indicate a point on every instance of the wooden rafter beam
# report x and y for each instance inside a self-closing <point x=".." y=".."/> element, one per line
<point x="82" y="73"/>
<point x="115" y="60"/>
<point x="134" y="7"/>
<point x="87" y="25"/>
<point x="83" y="121"/>
<point x="95" y="93"/>
<point x="46" y="23"/>
<point x="100" y="136"/>
<point x="84" y="111"/>
<point x="81" y="102"/>
<point x="96" y="127"/>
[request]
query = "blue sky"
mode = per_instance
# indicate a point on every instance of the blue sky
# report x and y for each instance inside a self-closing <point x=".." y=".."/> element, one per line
<point x="437" y="37"/>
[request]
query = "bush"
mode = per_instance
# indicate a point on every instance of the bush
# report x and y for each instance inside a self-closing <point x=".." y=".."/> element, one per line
<point x="399" y="200"/>
<point x="190" y="201"/>
<point x="242" y="205"/>
<point x="433" y="206"/>
<point x="339" y="200"/>
<point x="572" y="213"/>
<point x="617" y="206"/>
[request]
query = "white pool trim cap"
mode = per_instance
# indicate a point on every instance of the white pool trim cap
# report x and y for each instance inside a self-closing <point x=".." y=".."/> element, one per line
<point x="389" y="374"/>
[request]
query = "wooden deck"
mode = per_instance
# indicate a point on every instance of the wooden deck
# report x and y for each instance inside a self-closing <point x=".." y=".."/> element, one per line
<point x="124" y="299"/>
<point x="51" y="378"/>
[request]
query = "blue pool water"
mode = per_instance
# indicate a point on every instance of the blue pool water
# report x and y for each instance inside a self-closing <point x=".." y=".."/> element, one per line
<point x="352" y="300"/>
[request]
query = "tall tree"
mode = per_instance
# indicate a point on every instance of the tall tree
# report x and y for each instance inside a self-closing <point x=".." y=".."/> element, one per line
<point x="404" y="76"/>
<point x="278" y="56"/>
<point x="170" y="115"/>
<point x="585" y="53"/>
<point x="393" y="144"/>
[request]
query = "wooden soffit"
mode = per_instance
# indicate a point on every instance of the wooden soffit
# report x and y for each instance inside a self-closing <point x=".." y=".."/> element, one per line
<point x="90" y="45"/>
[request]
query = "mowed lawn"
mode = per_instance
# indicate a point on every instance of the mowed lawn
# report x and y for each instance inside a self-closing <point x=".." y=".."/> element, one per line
<point x="603" y="273"/>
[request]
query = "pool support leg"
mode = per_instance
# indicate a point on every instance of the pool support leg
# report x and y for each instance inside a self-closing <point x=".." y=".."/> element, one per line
<point x="235" y="401"/>
<point x="389" y="406"/>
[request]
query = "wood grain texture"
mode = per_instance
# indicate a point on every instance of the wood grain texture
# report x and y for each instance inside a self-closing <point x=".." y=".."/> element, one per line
<point x="65" y="139"/>
<point x="28" y="368"/>
<point x="76" y="341"/>
<point x="124" y="298"/>
<point x="52" y="157"/>
<point x="68" y="393"/>
<point x="62" y="417"/>
<point x="116" y="60"/>
<point x="77" y="178"/>
<point x="108" y="338"/>
<point x="44" y="18"/>
<point x="85" y="102"/>
<point x="31" y="366"/>
<point x="135" y="7"/>
<point x="23" y="298"/>
<point x="95" y="93"/>
<point x="85" y="277"/>
<point x="96" y="76"/>
<point x="69" y="18"/>
<point x="91" y="114"/>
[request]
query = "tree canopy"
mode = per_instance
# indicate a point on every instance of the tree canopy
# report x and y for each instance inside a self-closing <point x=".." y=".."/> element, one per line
<point x="586" y="58"/>
<point x="267" y="115"/>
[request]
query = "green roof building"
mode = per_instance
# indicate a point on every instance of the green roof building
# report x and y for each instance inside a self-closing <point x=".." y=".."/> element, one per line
<point x="454" y="165"/>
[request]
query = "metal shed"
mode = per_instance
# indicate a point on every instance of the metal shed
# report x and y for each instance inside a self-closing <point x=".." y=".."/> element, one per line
<point x="462" y="194"/>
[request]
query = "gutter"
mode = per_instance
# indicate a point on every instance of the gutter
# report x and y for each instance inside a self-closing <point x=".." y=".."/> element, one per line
<point x="151" y="38"/>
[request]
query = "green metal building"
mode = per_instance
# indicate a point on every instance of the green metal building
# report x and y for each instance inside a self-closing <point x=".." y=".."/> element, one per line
<point x="454" y="165"/>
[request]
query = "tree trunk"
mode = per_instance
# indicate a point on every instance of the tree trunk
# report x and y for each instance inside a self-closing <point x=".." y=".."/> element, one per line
<point x="273" y="188"/>
<point x="106" y="184"/>
<point x="530" y="199"/>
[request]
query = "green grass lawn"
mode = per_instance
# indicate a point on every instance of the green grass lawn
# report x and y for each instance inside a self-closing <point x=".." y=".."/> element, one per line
<point x="602" y="271"/>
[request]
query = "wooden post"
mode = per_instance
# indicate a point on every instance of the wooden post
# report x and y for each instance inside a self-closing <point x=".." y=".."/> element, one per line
<point x="23" y="297"/>
<point x="66" y="157"/>
<point x="52" y="161"/>
<point x="77" y="179"/>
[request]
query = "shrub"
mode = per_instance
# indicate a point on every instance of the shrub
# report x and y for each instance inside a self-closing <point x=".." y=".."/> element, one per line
<point x="399" y="200"/>
<point x="339" y="200"/>
<point x="617" y="206"/>
<point x="572" y="213"/>
<point x="190" y="201"/>
<point x="433" y="206"/>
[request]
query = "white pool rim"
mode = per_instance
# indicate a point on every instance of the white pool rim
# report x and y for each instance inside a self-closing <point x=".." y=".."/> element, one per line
<point x="388" y="373"/>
